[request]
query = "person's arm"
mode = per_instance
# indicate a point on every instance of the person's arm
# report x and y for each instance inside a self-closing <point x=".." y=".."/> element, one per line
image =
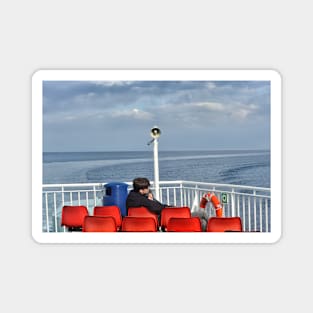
<point x="150" y="196"/>
<point x="135" y="199"/>
<point x="152" y="205"/>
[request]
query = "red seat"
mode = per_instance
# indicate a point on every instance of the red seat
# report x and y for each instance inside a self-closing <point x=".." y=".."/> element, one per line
<point x="109" y="210"/>
<point x="181" y="224"/>
<point x="142" y="212"/>
<point x="99" y="224"/>
<point x="224" y="224"/>
<point x="169" y="212"/>
<point x="73" y="216"/>
<point x="138" y="224"/>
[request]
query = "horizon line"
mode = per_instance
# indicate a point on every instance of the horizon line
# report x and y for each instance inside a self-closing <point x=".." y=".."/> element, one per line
<point x="163" y="150"/>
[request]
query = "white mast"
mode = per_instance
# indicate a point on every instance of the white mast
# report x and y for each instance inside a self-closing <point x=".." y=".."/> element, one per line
<point x="155" y="134"/>
<point x="156" y="169"/>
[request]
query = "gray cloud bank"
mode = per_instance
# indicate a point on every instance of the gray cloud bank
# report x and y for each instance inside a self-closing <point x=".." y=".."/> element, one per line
<point x="117" y="115"/>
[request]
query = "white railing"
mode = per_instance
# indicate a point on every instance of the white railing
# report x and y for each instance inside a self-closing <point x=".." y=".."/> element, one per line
<point x="252" y="204"/>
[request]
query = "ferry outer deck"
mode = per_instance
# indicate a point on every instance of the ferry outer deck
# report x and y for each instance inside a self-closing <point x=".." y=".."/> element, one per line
<point x="252" y="204"/>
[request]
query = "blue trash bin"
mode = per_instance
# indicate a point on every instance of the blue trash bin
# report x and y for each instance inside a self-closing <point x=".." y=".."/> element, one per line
<point x="116" y="194"/>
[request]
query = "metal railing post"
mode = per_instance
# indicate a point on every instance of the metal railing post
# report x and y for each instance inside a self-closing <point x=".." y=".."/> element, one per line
<point x="233" y="204"/>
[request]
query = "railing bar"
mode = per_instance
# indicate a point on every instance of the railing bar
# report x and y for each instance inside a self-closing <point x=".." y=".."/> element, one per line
<point x="55" y="212"/>
<point x="232" y="202"/>
<point x="181" y="194"/>
<point x="62" y="191"/>
<point x="260" y="214"/>
<point x="205" y="185"/>
<point x="192" y="197"/>
<point x="188" y="197"/>
<point x="266" y="216"/>
<point x="63" y="201"/>
<point x="205" y="189"/>
<point x="249" y="210"/>
<point x="47" y="213"/>
<point x="94" y="196"/>
<point x="244" y="212"/>
<point x="230" y="192"/>
<point x="168" y="195"/>
<point x="254" y="205"/>
<point x="174" y="190"/>
<point x="87" y="200"/>
<point x="73" y="190"/>
<point x="237" y="209"/>
<point x="78" y="197"/>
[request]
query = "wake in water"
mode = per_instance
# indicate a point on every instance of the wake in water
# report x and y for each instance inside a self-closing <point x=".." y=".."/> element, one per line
<point x="239" y="167"/>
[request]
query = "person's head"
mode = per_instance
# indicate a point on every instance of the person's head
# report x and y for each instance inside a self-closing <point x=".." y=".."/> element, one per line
<point x="141" y="185"/>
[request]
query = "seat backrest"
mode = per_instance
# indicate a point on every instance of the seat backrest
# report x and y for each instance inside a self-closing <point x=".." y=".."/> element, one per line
<point x="167" y="213"/>
<point x="142" y="212"/>
<point x="99" y="224"/>
<point x="138" y="224"/>
<point x="224" y="224"/>
<point x="73" y="216"/>
<point x="109" y="210"/>
<point x="181" y="224"/>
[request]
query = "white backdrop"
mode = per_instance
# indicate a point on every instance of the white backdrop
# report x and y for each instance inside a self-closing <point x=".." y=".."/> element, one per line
<point x="161" y="34"/>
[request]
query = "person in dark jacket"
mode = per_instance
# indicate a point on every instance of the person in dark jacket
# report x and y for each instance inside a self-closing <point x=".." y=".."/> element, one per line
<point x="142" y="196"/>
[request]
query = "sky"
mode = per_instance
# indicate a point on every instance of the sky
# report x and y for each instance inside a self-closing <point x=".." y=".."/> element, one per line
<point x="192" y="115"/>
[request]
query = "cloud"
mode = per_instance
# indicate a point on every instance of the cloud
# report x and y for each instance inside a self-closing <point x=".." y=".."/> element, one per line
<point x="112" y="83"/>
<point x="132" y="113"/>
<point x="211" y="106"/>
<point x="236" y="111"/>
<point x="241" y="112"/>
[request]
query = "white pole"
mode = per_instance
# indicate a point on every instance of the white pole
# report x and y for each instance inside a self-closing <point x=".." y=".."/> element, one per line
<point x="156" y="169"/>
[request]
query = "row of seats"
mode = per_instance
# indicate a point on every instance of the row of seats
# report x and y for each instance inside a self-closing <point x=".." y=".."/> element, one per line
<point x="173" y="219"/>
<point x="104" y="218"/>
<point x="179" y="219"/>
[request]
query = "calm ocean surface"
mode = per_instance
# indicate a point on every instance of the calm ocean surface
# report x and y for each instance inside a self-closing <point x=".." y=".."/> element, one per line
<point x="242" y="167"/>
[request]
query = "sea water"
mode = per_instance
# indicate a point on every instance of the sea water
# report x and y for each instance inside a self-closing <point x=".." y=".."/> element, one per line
<point x="239" y="167"/>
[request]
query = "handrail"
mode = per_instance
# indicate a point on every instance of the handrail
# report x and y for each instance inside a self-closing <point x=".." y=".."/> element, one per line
<point x="161" y="182"/>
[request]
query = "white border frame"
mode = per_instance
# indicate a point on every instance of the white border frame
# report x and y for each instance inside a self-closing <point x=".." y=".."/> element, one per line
<point x="156" y="238"/>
